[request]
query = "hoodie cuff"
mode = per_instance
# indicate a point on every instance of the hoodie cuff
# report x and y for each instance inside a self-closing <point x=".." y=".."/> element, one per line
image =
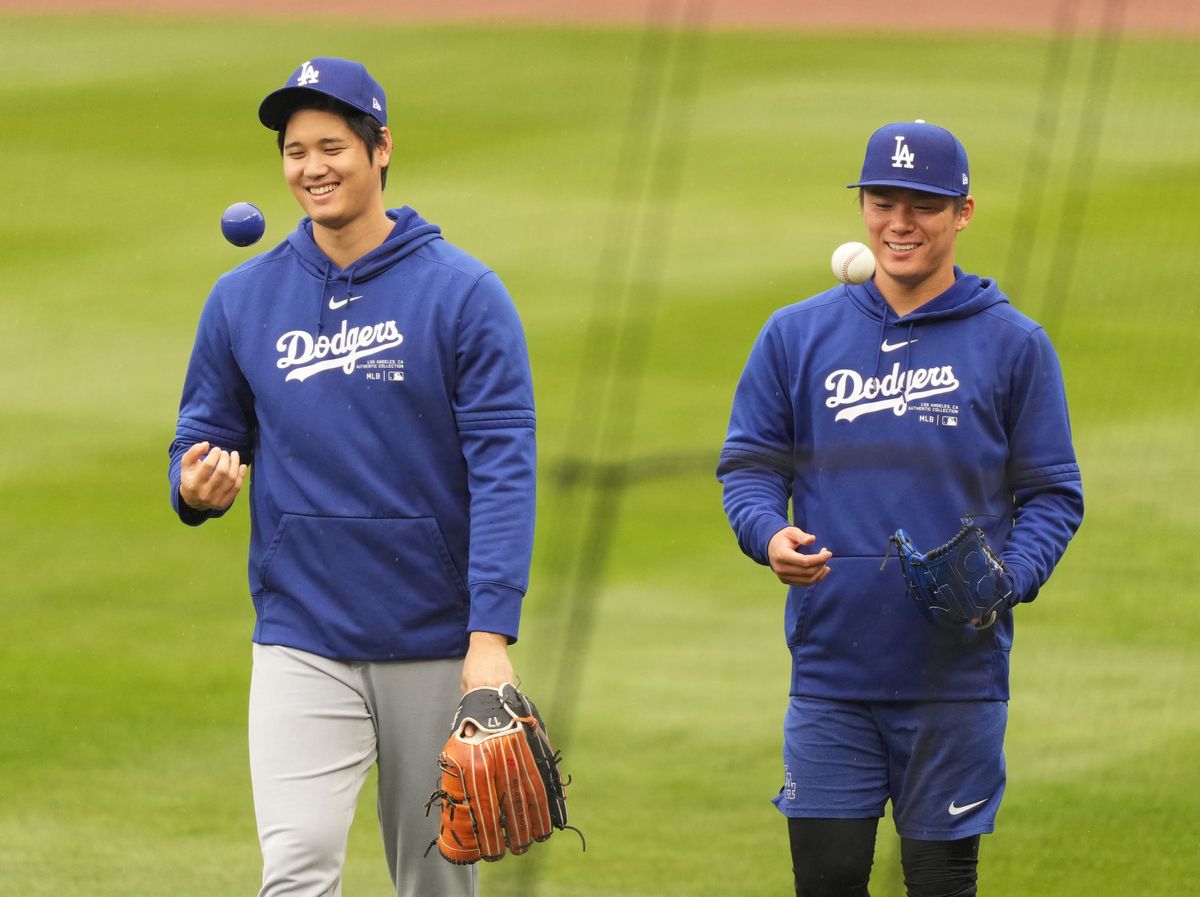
<point x="760" y="533"/>
<point x="1024" y="580"/>
<point x="495" y="608"/>
<point x="190" y="515"/>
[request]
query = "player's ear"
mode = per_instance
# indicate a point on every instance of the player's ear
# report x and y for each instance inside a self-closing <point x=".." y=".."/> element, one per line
<point x="383" y="150"/>
<point x="965" y="214"/>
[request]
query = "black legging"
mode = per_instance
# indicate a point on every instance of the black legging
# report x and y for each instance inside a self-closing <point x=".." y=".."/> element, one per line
<point x="832" y="858"/>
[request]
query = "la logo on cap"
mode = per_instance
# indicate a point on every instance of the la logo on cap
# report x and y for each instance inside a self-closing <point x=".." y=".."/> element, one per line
<point x="308" y="75"/>
<point x="903" y="157"/>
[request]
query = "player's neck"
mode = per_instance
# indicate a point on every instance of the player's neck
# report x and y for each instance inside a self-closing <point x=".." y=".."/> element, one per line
<point x="345" y="244"/>
<point x="905" y="297"/>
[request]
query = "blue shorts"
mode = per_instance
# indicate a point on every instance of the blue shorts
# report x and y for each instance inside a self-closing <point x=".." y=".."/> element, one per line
<point x="940" y="763"/>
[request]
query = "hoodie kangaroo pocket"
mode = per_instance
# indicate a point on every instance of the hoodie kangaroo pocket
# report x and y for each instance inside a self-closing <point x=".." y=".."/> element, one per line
<point x="368" y="586"/>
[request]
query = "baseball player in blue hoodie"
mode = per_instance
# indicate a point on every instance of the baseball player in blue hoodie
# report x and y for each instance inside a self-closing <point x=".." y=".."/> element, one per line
<point x="906" y="401"/>
<point x="376" y="381"/>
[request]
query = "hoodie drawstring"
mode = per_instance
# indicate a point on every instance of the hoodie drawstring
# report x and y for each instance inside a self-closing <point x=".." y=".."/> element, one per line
<point x="328" y="303"/>
<point x="883" y="322"/>
<point x="908" y="341"/>
<point x="321" y="301"/>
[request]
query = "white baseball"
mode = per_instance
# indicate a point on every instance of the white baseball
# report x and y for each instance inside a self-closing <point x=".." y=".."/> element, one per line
<point x="853" y="263"/>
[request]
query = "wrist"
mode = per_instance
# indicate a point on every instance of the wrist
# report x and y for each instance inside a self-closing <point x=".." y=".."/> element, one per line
<point x="488" y="640"/>
<point x="188" y="500"/>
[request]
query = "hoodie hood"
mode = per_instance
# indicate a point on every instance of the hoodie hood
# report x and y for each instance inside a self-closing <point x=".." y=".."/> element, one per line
<point x="969" y="294"/>
<point x="409" y="233"/>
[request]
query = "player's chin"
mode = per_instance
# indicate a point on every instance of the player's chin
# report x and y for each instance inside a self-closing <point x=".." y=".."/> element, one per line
<point x="322" y="211"/>
<point x="910" y="272"/>
<point x="327" y="217"/>
<point x="902" y="263"/>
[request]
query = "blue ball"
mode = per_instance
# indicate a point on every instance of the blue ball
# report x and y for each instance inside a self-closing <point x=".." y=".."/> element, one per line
<point x="243" y="224"/>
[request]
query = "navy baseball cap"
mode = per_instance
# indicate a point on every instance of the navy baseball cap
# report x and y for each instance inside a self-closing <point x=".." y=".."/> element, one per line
<point x="341" y="79"/>
<point x="918" y="156"/>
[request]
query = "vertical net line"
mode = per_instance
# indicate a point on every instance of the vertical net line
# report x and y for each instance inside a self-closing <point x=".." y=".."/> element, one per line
<point x="607" y="305"/>
<point x="564" y="518"/>
<point x="628" y="290"/>
<point x="628" y="286"/>
<point x="1060" y="278"/>
<point x="611" y="475"/>
<point x="1031" y="195"/>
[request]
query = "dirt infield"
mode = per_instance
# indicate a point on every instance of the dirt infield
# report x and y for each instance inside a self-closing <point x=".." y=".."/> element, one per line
<point x="1154" y="16"/>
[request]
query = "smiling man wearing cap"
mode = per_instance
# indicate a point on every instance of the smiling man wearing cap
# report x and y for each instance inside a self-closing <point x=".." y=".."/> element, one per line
<point x="375" y="378"/>
<point x="914" y="204"/>
<point x="903" y="402"/>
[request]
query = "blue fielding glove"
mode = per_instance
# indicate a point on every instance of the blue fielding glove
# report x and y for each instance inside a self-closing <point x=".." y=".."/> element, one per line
<point x="961" y="582"/>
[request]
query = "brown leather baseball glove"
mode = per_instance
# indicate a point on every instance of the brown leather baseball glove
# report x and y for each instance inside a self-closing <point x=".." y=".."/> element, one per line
<point x="500" y="788"/>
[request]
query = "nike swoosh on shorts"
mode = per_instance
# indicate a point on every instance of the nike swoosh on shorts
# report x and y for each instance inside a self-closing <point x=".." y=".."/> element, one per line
<point x="956" y="810"/>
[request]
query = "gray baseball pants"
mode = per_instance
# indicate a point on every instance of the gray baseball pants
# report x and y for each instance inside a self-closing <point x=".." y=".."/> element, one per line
<point x="316" y="726"/>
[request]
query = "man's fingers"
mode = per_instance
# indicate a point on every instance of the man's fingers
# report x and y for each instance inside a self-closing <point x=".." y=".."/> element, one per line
<point x="192" y="455"/>
<point x="800" y="537"/>
<point x="807" y="578"/>
<point x="799" y="569"/>
<point x="227" y="478"/>
<point x="211" y="460"/>
<point x="804" y="579"/>
<point x="793" y="566"/>
<point x="799" y="561"/>
<point x="813" y="560"/>
<point x="213" y="481"/>
<point x="221" y="469"/>
<point x="796" y="536"/>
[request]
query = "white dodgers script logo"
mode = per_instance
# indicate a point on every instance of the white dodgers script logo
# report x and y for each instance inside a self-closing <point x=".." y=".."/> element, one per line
<point x="309" y="75"/>
<point x="857" y="395"/>
<point x="307" y="354"/>
<point x="904" y="157"/>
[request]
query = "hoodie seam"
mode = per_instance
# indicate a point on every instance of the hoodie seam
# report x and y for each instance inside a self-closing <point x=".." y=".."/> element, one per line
<point x="465" y="271"/>
<point x="458" y="322"/>
<point x="467" y="294"/>
<point x="1028" y="327"/>
<point x="807" y="305"/>
<point x="1013" y="373"/>
<point x="267" y="258"/>
<point x="497" y="582"/>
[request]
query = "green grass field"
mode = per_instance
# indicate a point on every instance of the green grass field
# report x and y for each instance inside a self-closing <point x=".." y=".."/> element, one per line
<point x="125" y="655"/>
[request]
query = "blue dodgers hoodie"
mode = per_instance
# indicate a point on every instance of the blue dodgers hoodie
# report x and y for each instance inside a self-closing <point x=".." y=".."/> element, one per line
<point x="867" y="423"/>
<point x="387" y="410"/>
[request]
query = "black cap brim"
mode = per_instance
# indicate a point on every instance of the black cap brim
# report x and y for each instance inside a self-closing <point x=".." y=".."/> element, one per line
<point x="277" y="108"/>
